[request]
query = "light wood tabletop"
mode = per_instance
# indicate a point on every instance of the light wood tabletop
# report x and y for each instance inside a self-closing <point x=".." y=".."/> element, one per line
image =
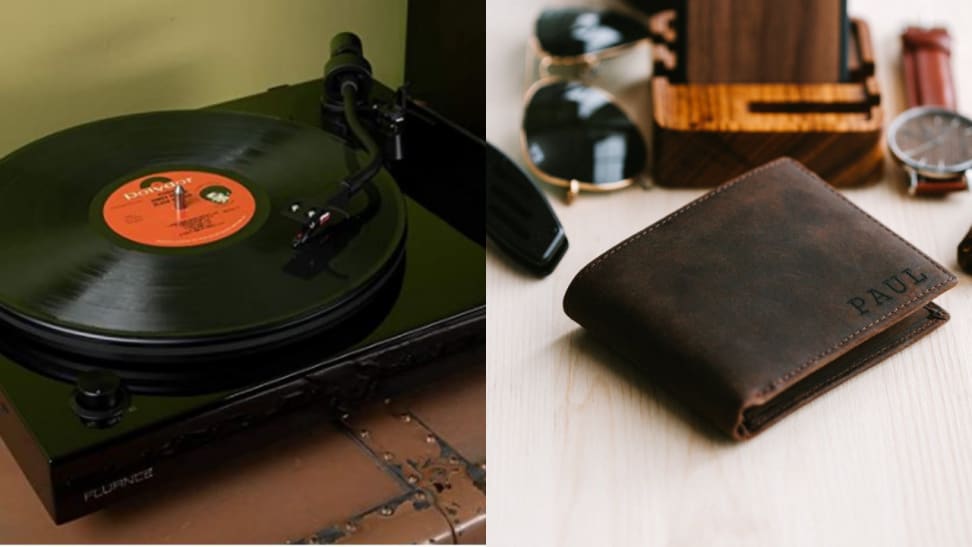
<point x="584" y="452"/>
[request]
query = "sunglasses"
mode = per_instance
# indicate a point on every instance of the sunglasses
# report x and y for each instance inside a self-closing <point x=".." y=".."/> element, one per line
<point x="575" y="135"/>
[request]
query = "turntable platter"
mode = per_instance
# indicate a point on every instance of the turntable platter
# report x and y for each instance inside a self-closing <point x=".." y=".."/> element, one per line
<point x="158" y="236"/>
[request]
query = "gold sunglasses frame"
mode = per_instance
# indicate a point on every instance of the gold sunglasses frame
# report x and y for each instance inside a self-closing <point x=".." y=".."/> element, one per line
<point x="573" y="186"/>
<point x="589" y="62"/>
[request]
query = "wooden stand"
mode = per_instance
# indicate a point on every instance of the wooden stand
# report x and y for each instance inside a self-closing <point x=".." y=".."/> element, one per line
<point x="705" y="134"/>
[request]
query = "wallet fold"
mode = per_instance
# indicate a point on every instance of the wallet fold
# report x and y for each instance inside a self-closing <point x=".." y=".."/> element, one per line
<point x="759" y="296"/>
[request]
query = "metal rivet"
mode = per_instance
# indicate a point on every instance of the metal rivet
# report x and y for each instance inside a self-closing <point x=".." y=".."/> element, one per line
<point x="453" y="460"/>
<point x="311" y="214"/>
<point x="345" y="417"/>
<point x="406" y="418"/>
<point x="364" y="434"/>
<point x="387" y="511"/>
<point x="420" y="496"/>
<point x="388" y="456"/>
<point x="295" y="207"/>
<point x="351" y="527"/>
<point x="387" y="401"/>
<point x="430" y="438"/>
<point x="413" y="479"/>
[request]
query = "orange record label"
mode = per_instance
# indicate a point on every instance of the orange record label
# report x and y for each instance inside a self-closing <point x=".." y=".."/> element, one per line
<point x="151" y="211"/>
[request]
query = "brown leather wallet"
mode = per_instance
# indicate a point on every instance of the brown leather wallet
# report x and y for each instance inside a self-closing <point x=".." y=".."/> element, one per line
<point x="759" y="296"/>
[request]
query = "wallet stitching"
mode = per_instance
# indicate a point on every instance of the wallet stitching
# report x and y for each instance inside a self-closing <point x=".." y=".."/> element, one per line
<point x="844" y="341"/>
<point x="834" y="191"/>
<point x="776" y="384"/>
<point x="949" y="278"/>
<point x="590" y="267"/>
<point x="839" y="376"/>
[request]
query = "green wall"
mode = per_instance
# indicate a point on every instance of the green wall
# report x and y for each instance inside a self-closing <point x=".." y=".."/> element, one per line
<point x="65" y="62"/>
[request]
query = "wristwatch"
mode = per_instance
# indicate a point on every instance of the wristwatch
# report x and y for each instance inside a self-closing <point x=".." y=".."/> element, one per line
<point x="931" y="140"/>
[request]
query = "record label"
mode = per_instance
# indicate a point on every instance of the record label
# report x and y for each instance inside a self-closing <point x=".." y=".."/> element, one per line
<point x="150" y="210"/>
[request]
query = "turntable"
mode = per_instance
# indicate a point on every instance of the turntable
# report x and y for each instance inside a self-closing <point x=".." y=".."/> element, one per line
<point x="177" y="286"/>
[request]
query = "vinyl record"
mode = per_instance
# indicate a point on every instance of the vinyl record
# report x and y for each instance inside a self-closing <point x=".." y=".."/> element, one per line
<point x="103" y="259"/>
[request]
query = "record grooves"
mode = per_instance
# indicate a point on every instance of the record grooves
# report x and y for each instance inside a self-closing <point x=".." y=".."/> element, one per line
<point x="192" y="372"/>
<point x="85" y="275"/>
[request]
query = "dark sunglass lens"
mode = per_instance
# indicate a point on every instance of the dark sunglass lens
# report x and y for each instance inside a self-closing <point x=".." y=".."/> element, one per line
<point x="569" y="32"/>
<point x="576" y="132"/>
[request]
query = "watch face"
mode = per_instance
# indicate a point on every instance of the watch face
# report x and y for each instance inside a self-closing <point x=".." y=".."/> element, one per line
<point x="932" y="140"/>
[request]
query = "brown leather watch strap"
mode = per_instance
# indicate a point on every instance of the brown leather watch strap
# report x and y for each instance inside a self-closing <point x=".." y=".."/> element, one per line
<point x="929" y="187"/>
<point x="926" y="59"/>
